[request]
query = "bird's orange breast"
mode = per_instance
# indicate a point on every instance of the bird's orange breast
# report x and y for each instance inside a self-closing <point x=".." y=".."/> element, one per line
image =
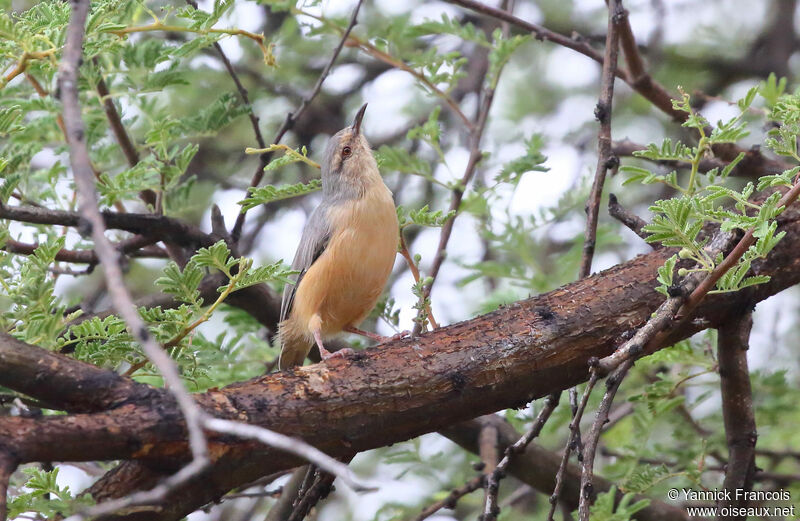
<point x="344" y="284"/>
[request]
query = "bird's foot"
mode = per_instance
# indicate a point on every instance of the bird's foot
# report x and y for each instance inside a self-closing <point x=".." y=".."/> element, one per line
<point x="376" y="337"/>
<point x="325" y="354"/>
<point x="398" y="336"/>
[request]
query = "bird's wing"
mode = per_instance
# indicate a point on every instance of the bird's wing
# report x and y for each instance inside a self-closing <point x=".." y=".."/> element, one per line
<point x="316" y="235"/>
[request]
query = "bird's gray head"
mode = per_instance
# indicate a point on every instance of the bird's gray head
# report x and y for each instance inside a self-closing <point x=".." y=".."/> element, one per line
<point x="348" y="166"/>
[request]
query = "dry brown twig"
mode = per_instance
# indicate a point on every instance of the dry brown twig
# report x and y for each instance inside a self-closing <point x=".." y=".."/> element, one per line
<point x="606" y="160"/>
<point x="491" y="507"/>
<point x="587" y="467"/>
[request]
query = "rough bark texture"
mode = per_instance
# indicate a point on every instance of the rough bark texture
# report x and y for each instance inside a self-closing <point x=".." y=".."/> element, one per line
<point x="384" y="395"/>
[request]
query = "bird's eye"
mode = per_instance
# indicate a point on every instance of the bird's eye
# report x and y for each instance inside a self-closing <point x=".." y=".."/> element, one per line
<point x="346" y="151"/>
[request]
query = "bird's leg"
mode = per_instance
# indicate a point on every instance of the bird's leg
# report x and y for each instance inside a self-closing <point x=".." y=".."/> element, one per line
<point x="374" y="336"/>
<point x="324" y="353"/>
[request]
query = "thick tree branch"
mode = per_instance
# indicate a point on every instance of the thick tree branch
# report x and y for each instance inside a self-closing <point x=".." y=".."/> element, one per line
<point x="64" y="383"/>
<point x="737" y="407"/>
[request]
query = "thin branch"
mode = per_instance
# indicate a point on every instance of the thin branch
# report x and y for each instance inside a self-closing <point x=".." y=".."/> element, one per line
<point x="656" y="329"/>
<point x="475" y="155"/>
<point x="84" y="180"/>
<point x="318" y="491"/>
<point x="737" y="408"/>
<point x="606" y="160"/>
<point x="491" y="508"/>
<point x="121" y="135"/>
<point x="156" y="227"/>
<point x="587" y="468"/>
<point x="631" y="221"/>
<point x="412" y="266"/>
<point x="292" y="117"/>
<point x="576" y="43"/>
<point x="574" y="433"/>
<point x="129" y="247"/>
<point x="282" y="508"/>
<point x="450" y="501"/>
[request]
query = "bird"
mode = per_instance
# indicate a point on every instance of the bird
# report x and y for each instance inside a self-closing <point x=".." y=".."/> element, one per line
<point x="346" y="251"/>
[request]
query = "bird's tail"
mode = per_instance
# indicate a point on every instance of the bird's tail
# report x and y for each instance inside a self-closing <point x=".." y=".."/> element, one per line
<point x="295" y="345"/>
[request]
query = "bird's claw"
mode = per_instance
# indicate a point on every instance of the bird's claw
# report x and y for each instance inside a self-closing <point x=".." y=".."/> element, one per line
<point x="341" y="353"/>
<point x="398" y="336"/>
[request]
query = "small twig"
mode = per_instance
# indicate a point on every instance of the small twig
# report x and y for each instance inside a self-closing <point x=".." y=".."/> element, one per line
<point x="412" y="266"/>
<point x="452" y="498"/>
<point x="400" y="65"/>
<point x="737" y="408"/>
<point x="631" y="221"/>
<point x="318" y="491"/>
<point x="606" y="160"/>
<point x="574" y="429"/>
<point x="733" y="257"/>
<point x="158" y="25"/>
<point x="122" y="136"/>
<point x="282" y="508"/>
<point x="491" y="507"/>
<point x="588" y="494"/>
<point x="476" y="130"/>
<point x="292" y="117"/>
<point x="654" y="330"/>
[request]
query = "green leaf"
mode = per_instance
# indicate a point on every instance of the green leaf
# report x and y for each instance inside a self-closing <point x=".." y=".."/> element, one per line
<point x="532" y="161"/>
<point x="182" y="284"/>
<point x="267" y="194"/>
<point x="423" y="217"/>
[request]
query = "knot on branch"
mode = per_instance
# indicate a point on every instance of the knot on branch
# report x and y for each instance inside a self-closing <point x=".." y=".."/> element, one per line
<point x="612" y="163"/>
<point x="602" y="113"/>
<point x="676" y="290"/>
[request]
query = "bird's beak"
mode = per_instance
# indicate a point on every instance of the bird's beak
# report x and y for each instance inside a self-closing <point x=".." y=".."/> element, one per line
<point x="359" y="117"/>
